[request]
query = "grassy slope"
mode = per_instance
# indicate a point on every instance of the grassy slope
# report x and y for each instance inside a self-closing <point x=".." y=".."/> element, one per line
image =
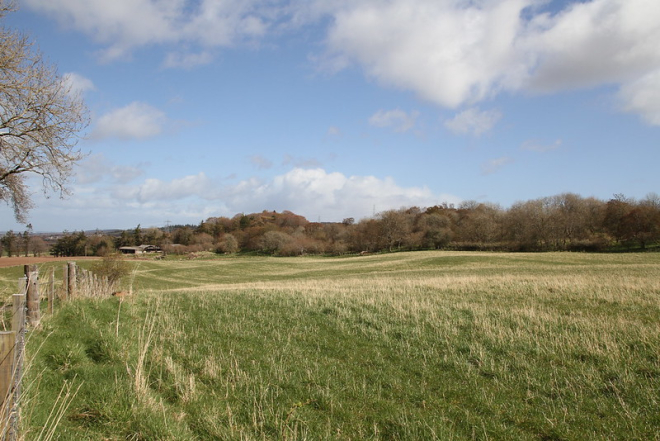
<point x="426" y="345"/>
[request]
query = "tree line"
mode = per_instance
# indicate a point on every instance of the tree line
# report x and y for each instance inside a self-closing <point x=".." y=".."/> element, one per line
<point x="565" y="222"/>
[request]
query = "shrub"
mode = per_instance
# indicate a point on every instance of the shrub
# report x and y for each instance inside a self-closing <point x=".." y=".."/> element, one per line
<point x="228" y="244"/>
<point x="112" y="266"/>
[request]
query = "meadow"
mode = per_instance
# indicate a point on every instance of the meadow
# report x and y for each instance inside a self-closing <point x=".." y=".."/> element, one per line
<point x="421" y="345"/>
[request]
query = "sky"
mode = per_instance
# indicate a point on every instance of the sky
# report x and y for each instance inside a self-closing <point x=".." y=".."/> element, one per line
<point x="346" y="108"/>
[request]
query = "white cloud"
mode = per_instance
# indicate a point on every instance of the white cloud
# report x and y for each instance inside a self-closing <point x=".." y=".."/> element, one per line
<point x="446" y="51"/>
<point x="450" y="52"/>
<point x="135" y="121"/>
<point x="593" y="43"/>
<point x="310" y="192"/>
<point x="260" y="162"/>
<point x="494" y="165"/>
<point x="77" y="83"/>
<point x="92" y="169"/>
<point x="534" y="145"/>
<point x="187" y="60"/>
<point x="455" y="53"/>
<point x="124" y="25"/>
<point x="643" y="97"/>
<point x="399" y="120"/>
<point x="334" y="132"/>
<point x="97" y="167"/>
<point x="313" y="193"/>
<point x="154" y="190"/>
<point x="125" y="173"/>
<point x="332" y="196"/>
<point x="473" y="121"/>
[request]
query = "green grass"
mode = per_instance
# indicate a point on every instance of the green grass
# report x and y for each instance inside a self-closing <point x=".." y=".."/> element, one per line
<point x="425" y="345"/>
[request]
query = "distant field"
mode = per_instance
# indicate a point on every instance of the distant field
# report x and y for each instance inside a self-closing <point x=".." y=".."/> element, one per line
<point x="423" y="345"/>
<point x="20" y="261"/>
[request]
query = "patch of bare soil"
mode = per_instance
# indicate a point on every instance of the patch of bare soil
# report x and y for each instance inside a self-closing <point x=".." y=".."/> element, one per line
<point x="16" y="261"/>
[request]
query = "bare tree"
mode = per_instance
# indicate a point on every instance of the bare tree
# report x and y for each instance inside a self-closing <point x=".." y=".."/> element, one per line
<point x="40" y="121"/>
<point x="395" y="227"/>
<point x="436" y="230"/>
<point x="38" y="246"/>
<point x="478" y="224"/>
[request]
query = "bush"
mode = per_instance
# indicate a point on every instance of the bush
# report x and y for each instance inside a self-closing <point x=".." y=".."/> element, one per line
<point x="112" y="266"/>
<point x="228" y="244"/>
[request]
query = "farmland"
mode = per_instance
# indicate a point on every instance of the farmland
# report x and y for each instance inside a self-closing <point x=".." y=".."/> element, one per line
<point x="423" y="345"/>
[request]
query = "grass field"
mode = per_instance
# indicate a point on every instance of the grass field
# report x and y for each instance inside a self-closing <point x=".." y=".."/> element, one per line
<point x="424" y="345"/>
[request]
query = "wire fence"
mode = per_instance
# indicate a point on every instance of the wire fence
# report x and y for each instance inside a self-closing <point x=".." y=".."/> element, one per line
<point x="24" y="313"/>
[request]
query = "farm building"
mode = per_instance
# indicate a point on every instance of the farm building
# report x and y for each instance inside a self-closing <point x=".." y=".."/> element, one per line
<point x="140" y="249"/>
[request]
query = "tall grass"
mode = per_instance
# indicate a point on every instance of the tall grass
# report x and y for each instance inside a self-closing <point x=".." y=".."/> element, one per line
<point x="406" y="346"/>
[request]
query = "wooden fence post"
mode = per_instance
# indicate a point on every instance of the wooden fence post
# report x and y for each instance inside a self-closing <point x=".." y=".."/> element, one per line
<point x="65" y="282"/>
<point x="22" y="284"/>
<point x="27" y="269"/>
<point x="51" y="292"/>
<point x="7" y="343"/>
<point x="80" y="282"/>
<point x="88" y="283"/>
<point x="71" y="288"/>
<point x="18" y="326"/>
<point x="32" y="297"/>
<point x="18" y="313"/>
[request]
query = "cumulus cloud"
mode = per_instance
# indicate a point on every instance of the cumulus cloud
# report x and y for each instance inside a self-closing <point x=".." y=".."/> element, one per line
<point x="473" y="121"/>
<point x="643" y="97"/>
<point x="92" y="169"/>
<point x="124" y="25"/>
<point x="450" y="52"/>
<point x="399" y="120"/>
<point x="125" y="173"/>
<point x="494" y="165"/>
<point x="97" y="167"/>
<point x="136" y="121"/>
<point x="77" y="83"/>
<point x="313" y="193"/>
<point x="457" y="53"/>
<point x="332" y="196"/>
<point x="153" y="190"/>
<point x="593" y="43"/>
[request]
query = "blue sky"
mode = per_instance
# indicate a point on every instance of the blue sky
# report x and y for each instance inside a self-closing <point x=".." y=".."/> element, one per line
<point x="344" y="108"/>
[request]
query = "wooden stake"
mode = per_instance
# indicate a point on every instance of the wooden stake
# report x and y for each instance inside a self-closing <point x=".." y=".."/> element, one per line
<point x="7" y="341"/>
<point x="22" y="284"/>
<point x="51" y="292"/>
<point x="71" y="289"/>
<point x="18" y="313"/>
<point x="65" y="282"/>
<point x="33" y="300"/>
<point x="18" y="326"/>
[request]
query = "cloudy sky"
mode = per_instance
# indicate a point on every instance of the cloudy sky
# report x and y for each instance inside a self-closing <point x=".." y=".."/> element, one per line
<point x="344" y="108"/>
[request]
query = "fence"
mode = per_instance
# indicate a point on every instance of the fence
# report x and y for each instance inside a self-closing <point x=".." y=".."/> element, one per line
<point x="25" y="315"/>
